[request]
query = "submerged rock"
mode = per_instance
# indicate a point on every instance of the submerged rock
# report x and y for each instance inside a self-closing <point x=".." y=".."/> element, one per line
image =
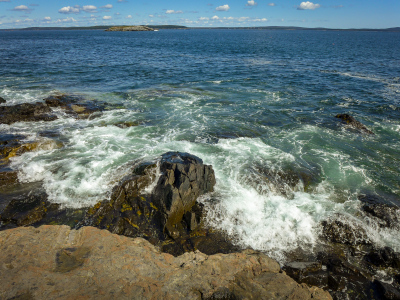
<point x="16" y="147"/>
<point x="74" y="105"/>
<point x="281" y="181"/>
<point x="167" y="214"/>
<point x="90" y="264"/>
<point x="128" y="124"/>
<point x="351" y="121"/>
<point x="26" y="112"/>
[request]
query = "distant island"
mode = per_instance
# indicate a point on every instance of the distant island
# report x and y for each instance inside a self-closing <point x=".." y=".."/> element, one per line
<point x="130" y="28"/>
<point x="161" y="27"/>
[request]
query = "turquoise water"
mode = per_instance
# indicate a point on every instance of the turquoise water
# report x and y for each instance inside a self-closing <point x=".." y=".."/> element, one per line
<point x="248" y="102"/>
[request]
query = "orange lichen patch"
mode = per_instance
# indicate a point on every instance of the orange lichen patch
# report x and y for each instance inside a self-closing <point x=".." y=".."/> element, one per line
<point x="132" y="224"/>
<point x="126" y="207"/>
<point x="77" y="108"/>
<point x="93" y="209"/>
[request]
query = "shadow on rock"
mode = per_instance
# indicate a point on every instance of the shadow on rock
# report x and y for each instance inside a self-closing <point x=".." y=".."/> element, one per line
<point x="26" y="204"/>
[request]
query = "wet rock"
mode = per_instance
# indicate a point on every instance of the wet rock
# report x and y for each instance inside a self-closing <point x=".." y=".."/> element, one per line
<point x="2" y="100"/>
<point x="385" y="211"/>
<point x="338" y="231"/>
<point x="345" y="280"/>
<point x="282" y="181"/>
<point x="91" y="263"/>
<point x="168" y="215"/>
<point x="128" y="124"/>
<point x="386" y="215"/>
<point x="8" y="142"/>
<point x="130" y="211"/>
<point x="310" y="273"/>
<point x="8" y="176"/>
<point x="28" y="206"/>
<point x="384" y="257"/>
<point x="14" y="145"/>
<point x="184" y="179"/>
<point x="27" y="209"/>
<point x="74" y="105"/>
<point x="388" y="292"/>
<point x="352" y="122"/>
<point x="26" y="112"/>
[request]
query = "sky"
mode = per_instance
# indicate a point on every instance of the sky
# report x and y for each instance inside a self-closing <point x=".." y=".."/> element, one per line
<point x="201" y="13"/>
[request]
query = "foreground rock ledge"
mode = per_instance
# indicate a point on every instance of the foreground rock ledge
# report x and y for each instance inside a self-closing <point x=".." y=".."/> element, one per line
<point x="54" y="262"/>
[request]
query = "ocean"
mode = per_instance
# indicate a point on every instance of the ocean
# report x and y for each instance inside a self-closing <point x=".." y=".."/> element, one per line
<point x="258" y="105"/>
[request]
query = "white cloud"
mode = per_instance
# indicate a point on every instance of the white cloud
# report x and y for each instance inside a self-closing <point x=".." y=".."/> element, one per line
<point x="259" y="20"/>
<point x="215" y="18"/>
<point x="47" y="19"/>
<point x="107" y="18"/>
<point x="107" y="6"/>
<point x="242" y="19"/>
<point x="204" y="19"/>
<point x="271" y="4"/>
<point x="129" y="17"/>
<point x="251" y="3"/>
<point x="151" y="16"/>
<point x="68" y="10"/>
<point x="308" y="5"/>
<point x="223" y="7"/>
<point x="21" y="8"/>
<point x="66" y="20"/>
<point x="171" y="11"/>
<point x="89" y="8"/>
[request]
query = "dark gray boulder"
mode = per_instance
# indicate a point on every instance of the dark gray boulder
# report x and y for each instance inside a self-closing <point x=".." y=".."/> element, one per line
<point x="2" y="100"/>
<point x="26" y="112"/>
<point x="168" y="216"/>
<point x="184" y="179"/>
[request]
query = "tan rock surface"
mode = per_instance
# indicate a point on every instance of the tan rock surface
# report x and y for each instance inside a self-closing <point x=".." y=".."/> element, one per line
<point x="54" y="262"/>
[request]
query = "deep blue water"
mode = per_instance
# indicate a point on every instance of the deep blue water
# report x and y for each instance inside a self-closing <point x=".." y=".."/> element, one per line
<point x="242" y="100"/>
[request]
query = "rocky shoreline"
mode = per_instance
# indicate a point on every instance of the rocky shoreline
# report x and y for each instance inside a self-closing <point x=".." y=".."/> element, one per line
<point x="155" y="208"/>
<point x="55" y="262"/>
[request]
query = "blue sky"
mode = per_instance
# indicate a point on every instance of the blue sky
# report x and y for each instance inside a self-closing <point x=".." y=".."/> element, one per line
<point x="202" y="13"/>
